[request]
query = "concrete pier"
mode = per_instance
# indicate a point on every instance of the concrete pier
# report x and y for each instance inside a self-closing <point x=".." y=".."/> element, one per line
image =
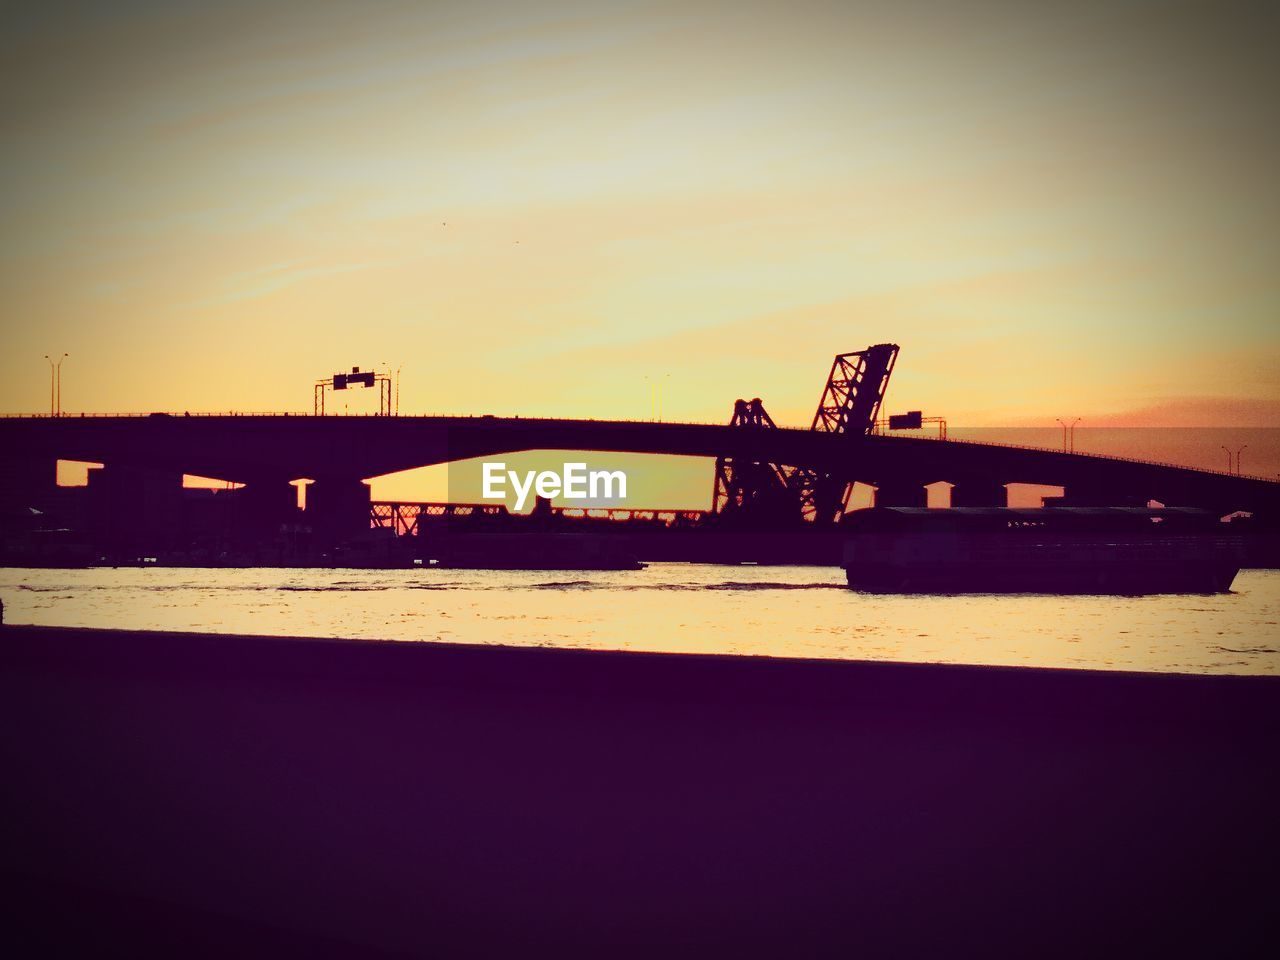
<point x="134" y="509"/>
<point x="338" y="507"/>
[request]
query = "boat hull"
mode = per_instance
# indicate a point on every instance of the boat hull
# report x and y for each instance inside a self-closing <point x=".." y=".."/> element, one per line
<point x="1062" y="577"/>
<point x="1072" y="564"/>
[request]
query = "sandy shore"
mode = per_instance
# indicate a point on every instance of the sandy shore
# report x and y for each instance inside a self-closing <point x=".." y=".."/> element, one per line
<point x="220" y="795"/>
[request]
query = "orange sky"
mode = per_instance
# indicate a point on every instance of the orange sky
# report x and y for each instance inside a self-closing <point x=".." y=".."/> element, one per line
<point x="1055" y="210"/>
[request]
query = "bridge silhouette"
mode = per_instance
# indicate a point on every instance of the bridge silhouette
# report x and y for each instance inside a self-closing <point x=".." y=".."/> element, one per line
<point x="765" y="476"/>
<point x="266" y="452"/>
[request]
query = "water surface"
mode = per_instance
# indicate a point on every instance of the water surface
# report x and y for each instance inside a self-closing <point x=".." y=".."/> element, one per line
<point x="774" y="611"/>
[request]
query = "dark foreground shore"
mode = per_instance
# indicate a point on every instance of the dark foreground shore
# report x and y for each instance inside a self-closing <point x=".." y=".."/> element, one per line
<point x="196" y="795"/>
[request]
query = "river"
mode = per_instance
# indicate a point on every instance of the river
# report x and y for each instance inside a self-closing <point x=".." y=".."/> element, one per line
<point x="686" y="608"/>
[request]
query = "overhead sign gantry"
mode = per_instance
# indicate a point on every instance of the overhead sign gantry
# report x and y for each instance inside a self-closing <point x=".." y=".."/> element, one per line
<point x="356" y="378"/>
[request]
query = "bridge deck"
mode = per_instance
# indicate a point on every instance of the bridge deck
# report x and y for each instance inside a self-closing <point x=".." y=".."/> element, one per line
<point x="251" y="447"/>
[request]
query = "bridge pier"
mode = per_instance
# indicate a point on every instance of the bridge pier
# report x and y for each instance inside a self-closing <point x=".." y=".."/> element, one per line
<point x="338" y="507"/>
<point x="979" y="493"/>
<point x="901" y="493"/>
<point x="267" y="503"/>
<point x="134" y="509"/>
<point x="27" y="481"/>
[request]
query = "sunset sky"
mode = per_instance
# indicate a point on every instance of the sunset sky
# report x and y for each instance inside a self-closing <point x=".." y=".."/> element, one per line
<point x="1056" y="209"/>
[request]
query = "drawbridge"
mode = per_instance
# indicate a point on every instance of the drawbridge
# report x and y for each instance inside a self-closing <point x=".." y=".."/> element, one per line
<point x="775" y="494"/>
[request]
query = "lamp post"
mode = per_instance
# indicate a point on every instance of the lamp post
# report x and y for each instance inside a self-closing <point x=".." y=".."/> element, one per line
<point x="1238" y="452"/>
<point x="1231" y="468"/>
<point x="656" y="384"/>
<point x="55" y="384"/>
<point x="1069" y="448"/>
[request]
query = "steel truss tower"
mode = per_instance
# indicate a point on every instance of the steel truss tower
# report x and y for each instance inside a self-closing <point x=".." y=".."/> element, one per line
<point x="849" y="406"/>
<point x="771" y="492"/>
<point x="750" y="491"/>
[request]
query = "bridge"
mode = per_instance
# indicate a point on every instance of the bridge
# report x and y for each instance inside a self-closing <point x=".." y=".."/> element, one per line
<point x="762" y="471"/>
<point x="266" y="452"/>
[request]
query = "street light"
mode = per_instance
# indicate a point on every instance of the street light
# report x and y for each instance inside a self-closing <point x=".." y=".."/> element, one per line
<point x="1233" y="466"/>
<point x="1072" y="447"/>
<point x="655" y="395"/>
<point x="55" y="384"/>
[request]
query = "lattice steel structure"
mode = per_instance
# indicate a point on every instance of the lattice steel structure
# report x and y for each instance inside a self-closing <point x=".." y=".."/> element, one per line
<point x="406" y="518"/>
<point x="855" y="389"/>
<point x="749" y="490"/>
<point x="776" y="493"/>
<point x="403" y="517"/>
<point x="850" y="405"/>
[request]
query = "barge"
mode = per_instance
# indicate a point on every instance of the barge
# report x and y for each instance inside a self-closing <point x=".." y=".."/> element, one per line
<point x="1080" y="550"/>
